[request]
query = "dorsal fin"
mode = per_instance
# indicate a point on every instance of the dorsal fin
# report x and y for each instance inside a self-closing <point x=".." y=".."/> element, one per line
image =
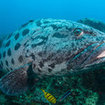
<point x="93" y="23"/>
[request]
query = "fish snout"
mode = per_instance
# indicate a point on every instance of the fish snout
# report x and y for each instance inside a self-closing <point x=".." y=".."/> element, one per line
<point x="97" y="56"/>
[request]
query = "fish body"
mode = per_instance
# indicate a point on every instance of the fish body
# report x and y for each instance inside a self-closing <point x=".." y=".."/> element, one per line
<point x="49" y="97"/>
<point x="65" y="95"/>
<point x="48" y="47"/>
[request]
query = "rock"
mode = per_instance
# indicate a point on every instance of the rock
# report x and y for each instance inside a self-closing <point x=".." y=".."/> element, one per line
<point x="93" y="23"/>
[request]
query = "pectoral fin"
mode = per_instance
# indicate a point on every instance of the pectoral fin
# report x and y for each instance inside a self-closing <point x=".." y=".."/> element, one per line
<point x="15" y="82"/>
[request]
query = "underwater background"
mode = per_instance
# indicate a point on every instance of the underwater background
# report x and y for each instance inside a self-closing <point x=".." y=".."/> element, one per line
<point x="13" y="13"/>
<point x="86" y="88"/>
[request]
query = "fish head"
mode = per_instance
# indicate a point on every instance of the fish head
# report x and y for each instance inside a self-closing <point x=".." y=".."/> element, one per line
<point x="64" y="46"/>
<point x="76" y="46"/>
<point x="87" y="48"/>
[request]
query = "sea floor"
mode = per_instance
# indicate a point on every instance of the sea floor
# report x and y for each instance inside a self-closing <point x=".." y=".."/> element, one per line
<point x="86" y="89"/>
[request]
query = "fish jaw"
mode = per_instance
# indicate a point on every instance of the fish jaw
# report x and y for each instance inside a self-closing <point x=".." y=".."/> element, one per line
<point x="93" y="58"/>
<point x="97" y="57"/>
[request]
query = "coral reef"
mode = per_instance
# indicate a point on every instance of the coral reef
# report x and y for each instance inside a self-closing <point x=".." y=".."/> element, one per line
<point x="93" y="23"/>
<point x="83" y="87"/>
<point x="92" y="99"/>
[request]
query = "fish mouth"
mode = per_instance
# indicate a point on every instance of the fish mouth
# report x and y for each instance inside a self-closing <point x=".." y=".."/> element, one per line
<point x="97" y="57"/>
<point x="92" y="55"/>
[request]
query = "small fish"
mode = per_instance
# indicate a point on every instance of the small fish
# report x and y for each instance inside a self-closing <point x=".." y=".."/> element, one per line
<point x="49" y="97"/>
<point x="65" y="95"/>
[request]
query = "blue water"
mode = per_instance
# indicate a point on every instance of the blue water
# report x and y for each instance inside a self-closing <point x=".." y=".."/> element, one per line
<point x="13" y="13"/>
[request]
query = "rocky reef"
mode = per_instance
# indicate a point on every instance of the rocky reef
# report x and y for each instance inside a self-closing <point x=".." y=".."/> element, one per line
<point x="86" y="88"/>
<point x="93" y="23"/>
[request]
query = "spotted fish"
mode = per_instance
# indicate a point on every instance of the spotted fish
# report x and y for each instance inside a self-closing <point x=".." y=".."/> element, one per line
<point x="48" y="47"/>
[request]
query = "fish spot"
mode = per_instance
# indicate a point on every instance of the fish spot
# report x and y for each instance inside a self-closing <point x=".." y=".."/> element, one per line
<point x="69" y="29"/>
<point x="12" y="61"/>
<point x="4" y="54"/>
<point x="72" y="44"/>
<point x="54" y="26"/>
<point x="40" y="54"/>
<point x="41" y="64"/>
<point x="9" y="52"/>
<point x="31" y="21"/>
<point x="62" y="70"/>
<point x="58" y="35"/>
<point x="8" y="43"/>
<point x="11" y="68"/>
<point x="50" y="70"/>
<point x="25" y="32"/>
<point x="6" y="62"/>
<point x="2" y="63"/>
<point x="34" y="66"/>
<point x="46" y="22"/>
<point x="33" y="45"/>
<point x="1" y="42"/>
<point x="33" y="56"/>
<point x="20" y="59"/>
<point x="24" y="24"/>
<point x="16" y="36"/>
<point x="39" y="70"/>
<point x="25" y="43"/>
<point x="27" y="51"/>
<point x="38" y="23"/>
<point x="69" y="67"/>
<point x="7" y="69"/>
<point x="38" y="44"/>
<point x="0" y="66"/>
<point x="9" y="36"/>
<point x="17" y="46"/>
<point x="52" y="65"/>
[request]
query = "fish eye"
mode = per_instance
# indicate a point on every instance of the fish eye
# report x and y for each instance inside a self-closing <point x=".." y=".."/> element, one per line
<point x="78" y="31"/>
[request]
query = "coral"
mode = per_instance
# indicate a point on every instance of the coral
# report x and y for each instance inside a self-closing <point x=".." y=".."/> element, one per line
<point x="92" y="99"/>
<point x="82" y="91"/>
<point x="2" y="99"/>
<point x="57" y="87"/>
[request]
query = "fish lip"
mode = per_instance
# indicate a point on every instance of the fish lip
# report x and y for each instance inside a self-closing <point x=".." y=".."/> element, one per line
<point x="93" y="66"/>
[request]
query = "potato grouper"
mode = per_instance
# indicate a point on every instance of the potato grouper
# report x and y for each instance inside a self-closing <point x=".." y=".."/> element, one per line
<point x="49" y="47"/>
